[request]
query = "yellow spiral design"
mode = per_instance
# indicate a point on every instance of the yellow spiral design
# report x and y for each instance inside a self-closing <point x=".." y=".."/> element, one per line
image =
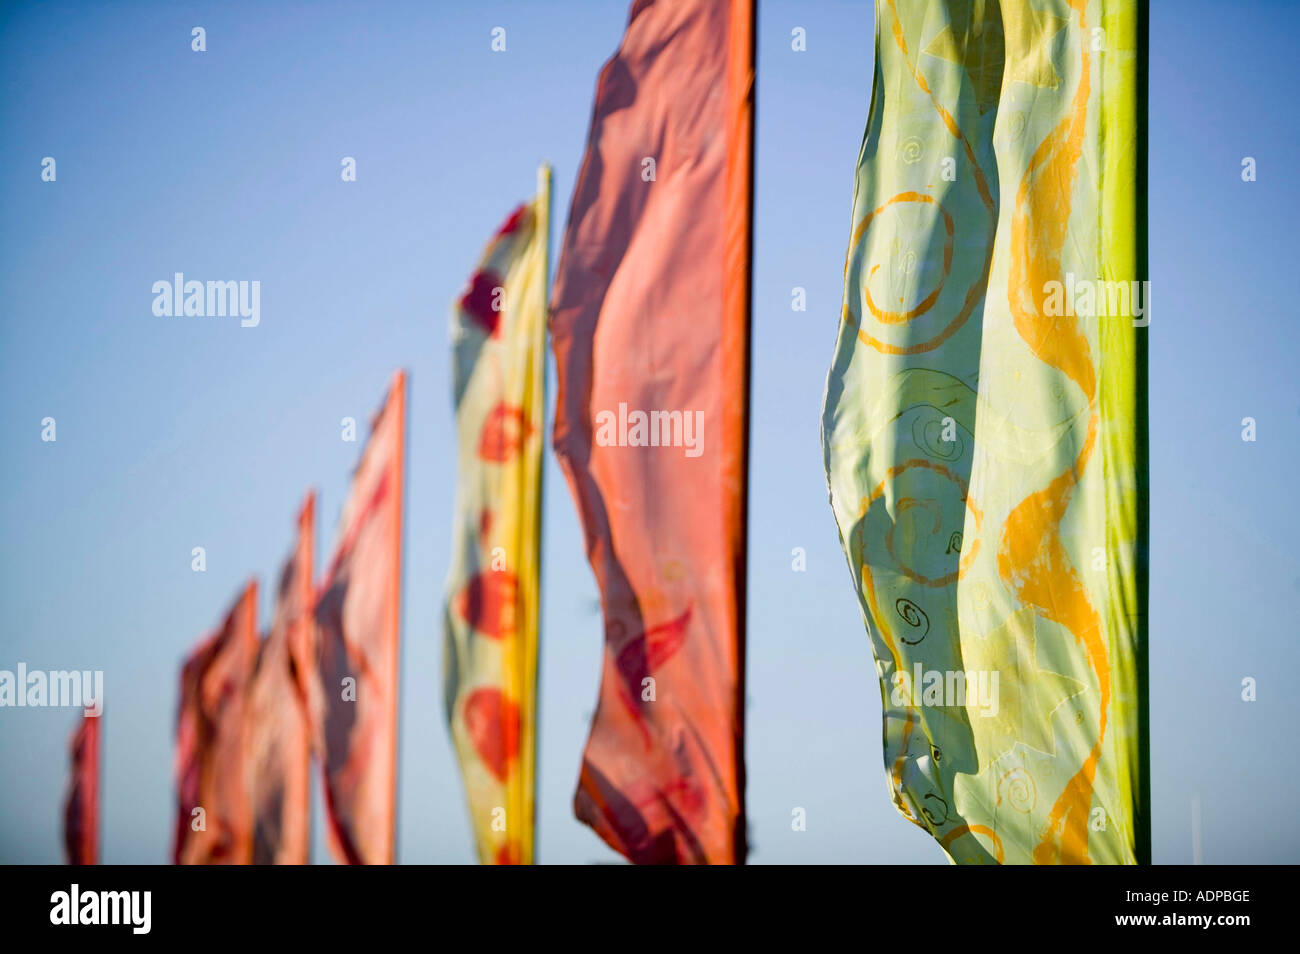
<point x="1021" y="792"/>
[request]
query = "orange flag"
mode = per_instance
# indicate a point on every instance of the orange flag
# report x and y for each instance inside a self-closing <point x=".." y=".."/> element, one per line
<point x="81" y="807"/>
<point x="214" y="814"/>
<point x="650" y="320"/>
<point x="357" y="618"/>
<point x="278" y="741"/>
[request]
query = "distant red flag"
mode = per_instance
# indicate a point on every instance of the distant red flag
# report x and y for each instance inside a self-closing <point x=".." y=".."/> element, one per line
<point x="214" y="812"/>
<point x="650" y="321"/>
<point x="278" y="738"/>
<point x="357" y="617"/>
<point x="81" y="807"/>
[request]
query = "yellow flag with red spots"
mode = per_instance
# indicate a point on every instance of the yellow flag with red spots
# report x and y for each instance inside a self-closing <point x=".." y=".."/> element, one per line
<point x="498" y="329"/>
<point x="984" y="427"/>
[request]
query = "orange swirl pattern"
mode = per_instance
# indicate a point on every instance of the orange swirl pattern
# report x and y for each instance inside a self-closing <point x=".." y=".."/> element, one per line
<point x="953" y="383"/>
<point x="1032" y="559"/>
<point x="975" y="293"/>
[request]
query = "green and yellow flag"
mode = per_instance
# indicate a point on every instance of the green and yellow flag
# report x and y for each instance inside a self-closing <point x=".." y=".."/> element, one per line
<point x="984" y="423"/>
<point x="498" y="328"/>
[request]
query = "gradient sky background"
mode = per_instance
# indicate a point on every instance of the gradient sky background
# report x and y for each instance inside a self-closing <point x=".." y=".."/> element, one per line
<point x="180" y="433"/>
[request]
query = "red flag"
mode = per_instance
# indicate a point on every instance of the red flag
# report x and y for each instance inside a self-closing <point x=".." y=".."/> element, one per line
<point x="81" y="807"/>
<point x="650" y="318"/>
<point x="357" y="617"/>
<point x="214" y="812"/>
<point x="278" y="741"/>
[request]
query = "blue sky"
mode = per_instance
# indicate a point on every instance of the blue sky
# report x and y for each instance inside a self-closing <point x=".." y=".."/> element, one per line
<point x="175" y="434"/>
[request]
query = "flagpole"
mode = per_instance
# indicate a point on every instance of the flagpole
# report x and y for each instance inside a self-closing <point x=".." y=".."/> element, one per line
<point x="1142" y="835"/>
<point x="306" y="570"/>
<point x="750" y="24"/>
<point x="544" y="231"/>
<point x="399" y="386"/>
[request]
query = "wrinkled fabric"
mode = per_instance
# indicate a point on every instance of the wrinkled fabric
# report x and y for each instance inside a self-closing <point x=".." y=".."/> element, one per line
<point x="214" y="819"/>
<point x="279" y="749"/>
<point x="983" y="424"/>
<point x="498" y="329"/>
<point x="81" y="804"/>
<point x="358" y="615"/>
<point x="650" y="328"/>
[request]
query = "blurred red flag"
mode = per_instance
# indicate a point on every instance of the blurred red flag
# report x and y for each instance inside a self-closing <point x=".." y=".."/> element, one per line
<point x="278" y="740"/>
<point x="81" y="807"/>
<point x="214" y="813"/>
<point x="650" y="320"/>
<point x="357" y="617"/>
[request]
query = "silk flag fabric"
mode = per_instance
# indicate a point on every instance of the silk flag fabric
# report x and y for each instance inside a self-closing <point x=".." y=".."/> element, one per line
<point x="81" y="804"/>
<point x="214" y="823"/>
<point x="498" y="329"/>
<point x="650" y="322"/>
<point x="279" y="747"/>
<point x="984" y="423"/>
<point x="358" y="615"/>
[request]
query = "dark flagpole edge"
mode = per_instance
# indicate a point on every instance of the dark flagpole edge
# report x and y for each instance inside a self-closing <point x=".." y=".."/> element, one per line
<point x="742" y="833"/>
<point x="546" y="179"/>
<point x="405" y="396"/>
<point x="1143" y="819"/>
